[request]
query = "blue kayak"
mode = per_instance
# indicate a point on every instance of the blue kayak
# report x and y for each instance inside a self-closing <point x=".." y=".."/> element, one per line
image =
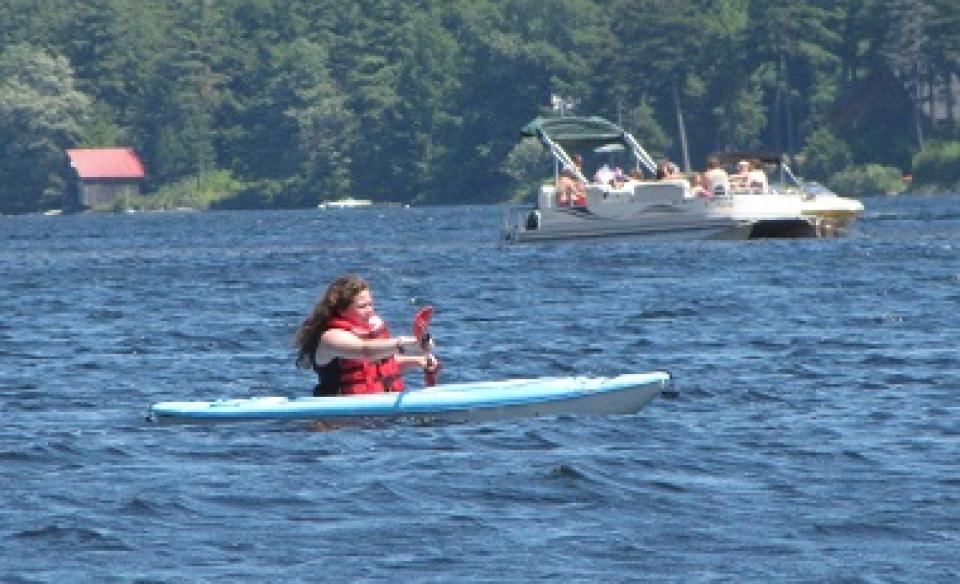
<point x="455" y="402"/>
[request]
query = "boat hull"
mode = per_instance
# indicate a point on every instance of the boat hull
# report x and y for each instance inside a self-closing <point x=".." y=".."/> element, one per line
<point x="460" y="403"/>
<point x="831" y="216"/>
<point x="783" y="229"/>
<point x="658" y="210"/>
<point x="556" y="227"/>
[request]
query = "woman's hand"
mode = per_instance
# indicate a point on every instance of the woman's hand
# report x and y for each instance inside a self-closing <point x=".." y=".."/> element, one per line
<point x="430" y="364"/>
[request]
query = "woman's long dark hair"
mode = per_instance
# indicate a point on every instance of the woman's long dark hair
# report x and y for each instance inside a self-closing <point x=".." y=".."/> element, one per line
<point x="335" y="300"/>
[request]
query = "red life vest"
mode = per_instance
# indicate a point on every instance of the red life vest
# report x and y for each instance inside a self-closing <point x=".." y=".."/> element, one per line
<point x="352" y="376"/>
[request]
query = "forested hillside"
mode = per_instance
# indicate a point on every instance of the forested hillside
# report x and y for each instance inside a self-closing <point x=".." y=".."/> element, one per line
<point x="295" y="101"/>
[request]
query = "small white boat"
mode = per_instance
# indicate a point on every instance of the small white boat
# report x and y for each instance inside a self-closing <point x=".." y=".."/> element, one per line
<point x="456" y="402"/>
<point x="347" y="203"/>
<point x="634" y="206"/>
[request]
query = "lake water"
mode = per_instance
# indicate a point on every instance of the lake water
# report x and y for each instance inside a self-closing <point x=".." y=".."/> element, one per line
<point x="813" y="433"/>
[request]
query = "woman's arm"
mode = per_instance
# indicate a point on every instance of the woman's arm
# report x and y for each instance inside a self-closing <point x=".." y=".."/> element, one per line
<point x="421" y="361"/>
<point x="338" y="343"/>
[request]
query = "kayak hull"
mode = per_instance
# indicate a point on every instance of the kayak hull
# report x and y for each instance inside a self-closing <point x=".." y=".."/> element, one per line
<point x="458" y="403"/>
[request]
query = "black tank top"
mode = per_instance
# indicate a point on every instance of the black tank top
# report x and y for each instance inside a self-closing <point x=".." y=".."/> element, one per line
<point x="328" y="378"/>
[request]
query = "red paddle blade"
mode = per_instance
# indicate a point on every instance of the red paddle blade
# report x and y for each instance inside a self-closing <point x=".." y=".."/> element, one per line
<point x="421" y="322"/>
<point x="421" y="328"/>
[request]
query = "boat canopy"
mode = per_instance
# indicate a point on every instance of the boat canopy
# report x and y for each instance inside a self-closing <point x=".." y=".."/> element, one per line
<point x="581" y="134"/>
<point x="577" y="133"/>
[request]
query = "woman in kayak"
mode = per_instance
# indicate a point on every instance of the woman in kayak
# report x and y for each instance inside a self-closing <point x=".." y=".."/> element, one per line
<point x="349" y="346"/>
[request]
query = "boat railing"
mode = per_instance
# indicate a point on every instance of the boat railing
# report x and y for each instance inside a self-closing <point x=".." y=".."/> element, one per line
<point x="561" y="155"/>
<point x="641" y="155"/>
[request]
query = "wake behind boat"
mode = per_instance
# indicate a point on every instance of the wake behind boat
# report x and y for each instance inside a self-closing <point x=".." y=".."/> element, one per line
<point x="458" y="402"/>
<point x="634" y="206"/>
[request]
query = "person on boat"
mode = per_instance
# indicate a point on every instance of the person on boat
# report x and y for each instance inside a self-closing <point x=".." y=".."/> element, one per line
<point x="757" y="179"/>
<point x="696" y="186"/>
<point x="604" y="175"/>
<point x="667" y="170"/>
<point x="663" y="170"/>
<point x="349" y="346"/>
<point x="715" y="179"/>
<point x="619" y="177"/>
<point x="563" y="187"/>
<point x="570" y="191"/>
<point x="738" y="180"/>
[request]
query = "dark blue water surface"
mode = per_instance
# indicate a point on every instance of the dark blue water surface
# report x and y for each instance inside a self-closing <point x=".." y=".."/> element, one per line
<point x="814" y="434"/>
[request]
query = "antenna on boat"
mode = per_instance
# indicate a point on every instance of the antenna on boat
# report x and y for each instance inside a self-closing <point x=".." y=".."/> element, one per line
<point x="683" y="131"/>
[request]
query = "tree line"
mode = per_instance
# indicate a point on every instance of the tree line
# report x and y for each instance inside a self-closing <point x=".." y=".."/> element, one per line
<point x="422" y="100"/>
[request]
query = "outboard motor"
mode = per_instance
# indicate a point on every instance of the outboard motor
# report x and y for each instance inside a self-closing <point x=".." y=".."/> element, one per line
<point x="533" y="221"/>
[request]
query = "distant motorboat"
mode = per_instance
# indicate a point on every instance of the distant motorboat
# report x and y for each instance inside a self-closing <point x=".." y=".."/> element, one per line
<point x="635" y="206"/>
<point x="347" y="203"/>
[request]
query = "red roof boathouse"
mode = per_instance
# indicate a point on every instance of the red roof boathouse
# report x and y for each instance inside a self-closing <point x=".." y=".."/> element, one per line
<point x="106" y="174"/>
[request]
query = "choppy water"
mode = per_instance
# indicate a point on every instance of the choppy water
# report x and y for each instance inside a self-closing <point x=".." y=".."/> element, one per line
<point x="814" y="435"/>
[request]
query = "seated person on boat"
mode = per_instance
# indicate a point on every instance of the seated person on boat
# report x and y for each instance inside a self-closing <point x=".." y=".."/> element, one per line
<point x="570" y="191"/>
<point x="749" y="176"/>
<point x="667" y="170"/>
<point x="757" y="179"/>
<point x="697" y="188"/>
<point x="604" y="175"/>
<point x="738" y="180"/>
<point x="715" y="179"/>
